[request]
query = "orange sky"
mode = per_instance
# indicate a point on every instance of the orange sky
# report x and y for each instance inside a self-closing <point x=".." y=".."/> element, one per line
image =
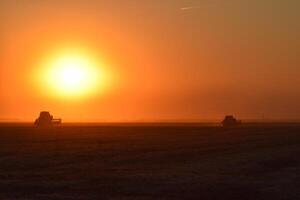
<point x="169" y="60"/>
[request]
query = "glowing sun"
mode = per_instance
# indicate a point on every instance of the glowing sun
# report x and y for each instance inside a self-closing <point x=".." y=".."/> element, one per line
<point x="74" y="74"/>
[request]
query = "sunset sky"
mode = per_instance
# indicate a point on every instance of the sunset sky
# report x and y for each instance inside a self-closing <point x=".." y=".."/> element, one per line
<point x="153" y="60"/>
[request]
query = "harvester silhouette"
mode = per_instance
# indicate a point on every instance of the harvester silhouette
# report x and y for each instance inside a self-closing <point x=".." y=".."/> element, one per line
<point x="230" y="121"/>
<point x="45" y="119"/>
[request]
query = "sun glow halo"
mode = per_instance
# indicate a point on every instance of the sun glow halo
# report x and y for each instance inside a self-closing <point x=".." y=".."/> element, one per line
<point x="72" y="75"/>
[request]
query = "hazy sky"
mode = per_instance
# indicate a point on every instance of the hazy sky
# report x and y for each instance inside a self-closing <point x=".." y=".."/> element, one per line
<point x="173" y="59"/>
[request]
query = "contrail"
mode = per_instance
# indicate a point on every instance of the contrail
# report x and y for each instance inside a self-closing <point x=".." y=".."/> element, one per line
<point x="189" y="8"/>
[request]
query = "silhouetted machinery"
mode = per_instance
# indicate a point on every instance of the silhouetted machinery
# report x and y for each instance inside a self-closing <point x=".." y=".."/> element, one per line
<point x="230" y="121"/>
<point x="45" y="119"/>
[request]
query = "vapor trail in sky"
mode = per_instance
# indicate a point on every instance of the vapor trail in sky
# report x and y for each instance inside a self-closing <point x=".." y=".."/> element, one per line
<point x="189" y="8"/>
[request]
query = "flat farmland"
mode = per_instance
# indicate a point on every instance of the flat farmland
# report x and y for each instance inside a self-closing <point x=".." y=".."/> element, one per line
<point x="137" y="162"/>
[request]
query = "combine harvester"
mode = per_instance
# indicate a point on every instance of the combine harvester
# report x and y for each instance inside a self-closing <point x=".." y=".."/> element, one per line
<point x="46" y="120"/>
<point x="230" y="121"/>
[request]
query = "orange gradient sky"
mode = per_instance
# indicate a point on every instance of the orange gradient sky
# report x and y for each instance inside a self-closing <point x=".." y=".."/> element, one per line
<point x="159" y="59"/>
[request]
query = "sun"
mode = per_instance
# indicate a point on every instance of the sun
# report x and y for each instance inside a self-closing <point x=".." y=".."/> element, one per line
<point x="72" y="74"/>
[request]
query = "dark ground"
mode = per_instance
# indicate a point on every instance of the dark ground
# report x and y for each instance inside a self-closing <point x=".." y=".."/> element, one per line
<point x="150" y="162"/>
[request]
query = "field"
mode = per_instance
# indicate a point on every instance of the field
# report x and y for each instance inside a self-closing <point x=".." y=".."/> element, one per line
<point x="147" y="162"/>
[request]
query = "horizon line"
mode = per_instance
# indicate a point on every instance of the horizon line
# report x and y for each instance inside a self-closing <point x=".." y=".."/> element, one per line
<point x="163" y="121"/>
